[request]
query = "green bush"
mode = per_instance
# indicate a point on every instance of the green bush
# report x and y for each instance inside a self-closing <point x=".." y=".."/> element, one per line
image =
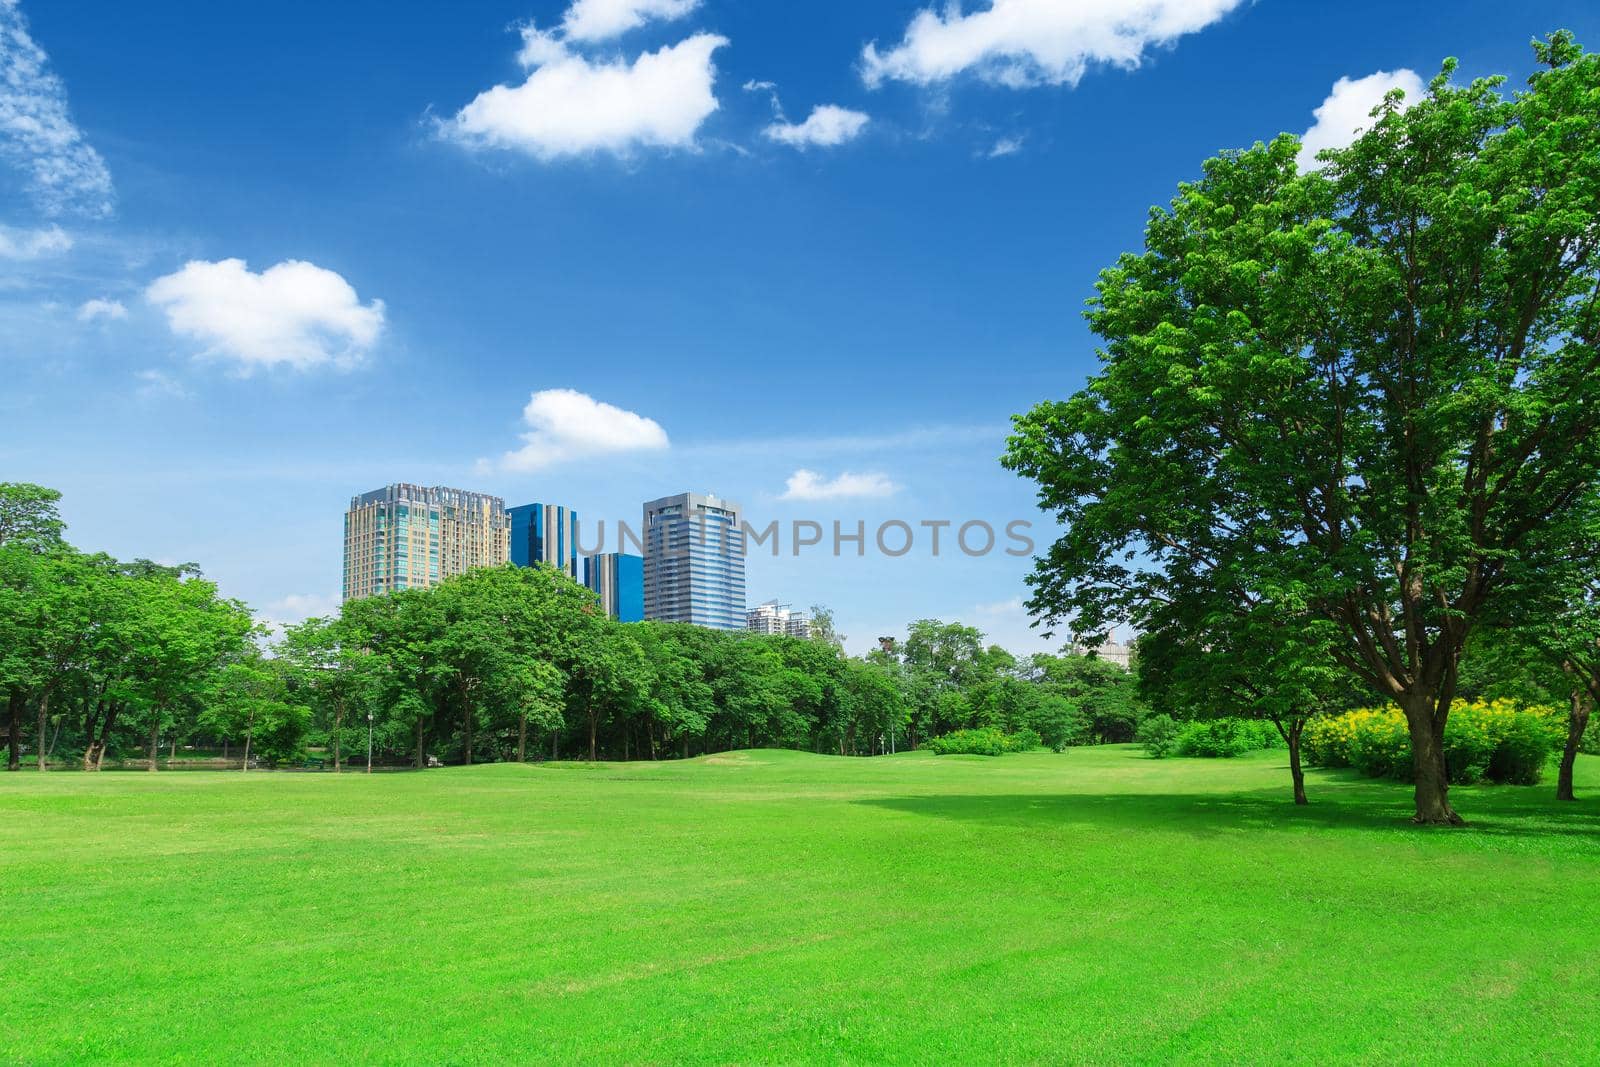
<point x="1023" y="739"/>
<point x="1225" y="738"/>
<point x="984" y="741"/>
<point x="1159" y="735"/>
<point x="1498" y="741"/>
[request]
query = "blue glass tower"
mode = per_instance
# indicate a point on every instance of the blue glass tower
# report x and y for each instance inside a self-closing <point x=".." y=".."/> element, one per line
<point x="694" y="545"/>
<point x="619" y="579"/>
<point x="545" y="533"/>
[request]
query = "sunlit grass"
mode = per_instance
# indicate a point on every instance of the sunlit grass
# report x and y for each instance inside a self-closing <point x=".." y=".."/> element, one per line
<point x="781" y="906"/>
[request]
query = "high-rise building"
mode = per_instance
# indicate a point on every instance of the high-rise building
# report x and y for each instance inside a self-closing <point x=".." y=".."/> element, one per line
<point x="619" y="579"/>
<point x="775" y="618"/>
<point x="407" y="536"/>
<point x="545" y="533"/>
<point x="694" y="547"/>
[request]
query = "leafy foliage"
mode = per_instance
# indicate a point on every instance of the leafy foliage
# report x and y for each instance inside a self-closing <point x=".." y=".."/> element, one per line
<point x="1494" y="741"/>
<point x="1366" y="395"/>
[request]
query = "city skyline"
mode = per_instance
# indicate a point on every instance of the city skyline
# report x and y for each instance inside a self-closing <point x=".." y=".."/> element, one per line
<point x="825" y="317"/>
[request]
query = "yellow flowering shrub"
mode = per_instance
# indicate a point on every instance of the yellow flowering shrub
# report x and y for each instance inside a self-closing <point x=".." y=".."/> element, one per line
<point x="1496" y="740"/>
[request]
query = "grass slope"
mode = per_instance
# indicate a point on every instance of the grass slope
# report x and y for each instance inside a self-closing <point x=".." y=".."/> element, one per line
<point x="769" y="906"/>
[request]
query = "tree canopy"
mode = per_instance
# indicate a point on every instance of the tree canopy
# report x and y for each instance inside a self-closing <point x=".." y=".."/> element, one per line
<point x="1366" y="394"/>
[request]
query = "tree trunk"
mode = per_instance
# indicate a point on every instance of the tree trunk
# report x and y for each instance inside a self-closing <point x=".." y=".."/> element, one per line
<point x="14" y="730"/>
<point x="1427" y="753"/>
<point x="248" y="731"/>
<point x="1577" y="721"/>
<point x="422" y="758"/>
<point x="94" y="757"/>
<point x="594" y="725"/>
<point x="44" y="728"/>
<point x="1295" y="770"/>
<point x="155" y="736"/>
<point x="338" y="732"/>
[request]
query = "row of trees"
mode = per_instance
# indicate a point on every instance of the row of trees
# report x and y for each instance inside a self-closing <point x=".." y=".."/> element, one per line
<point x="501" y="663"/>
<point x="99" y="656"/>
<point x="1347" y="431"/>
<point x="93" y="649"/>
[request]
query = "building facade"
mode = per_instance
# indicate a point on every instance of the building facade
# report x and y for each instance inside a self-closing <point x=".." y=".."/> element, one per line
<point x="545" y="533"/>
<point x="775" y="618"/>
<point x="694" y="548"/>
<point x="406" y="536"/>
<point x="619" y="579"/>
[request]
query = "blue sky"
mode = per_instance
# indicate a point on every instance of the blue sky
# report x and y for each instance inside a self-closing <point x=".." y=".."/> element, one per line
<point x="257" y="258"/>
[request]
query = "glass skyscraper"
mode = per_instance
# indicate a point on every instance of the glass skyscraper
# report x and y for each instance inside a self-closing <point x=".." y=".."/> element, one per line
<point x="619" y="579"/>
<point x="545" y="533"/>
<point x="694" y="547"/>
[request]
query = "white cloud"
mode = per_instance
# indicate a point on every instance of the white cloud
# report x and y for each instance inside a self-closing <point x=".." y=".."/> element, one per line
<point x="1348" y="110"/>
<point x="599" y="20"/>
<point x="155" y="384"/>
<point x="1005" y="146"/>
<point x="32" y="244"/>
<point x="297" y="608"/>
<point x="64" y="174"/>
<point x="1014" y="606"/>
<point x="826" y="126"/>
<point x="565" y="424"/>
<point x="295" y="313"/>
<point x="809" y="485"/>
<point x="100" y="308"/>
<point x="1032" y="42"/>
<point x="571" y="105"/>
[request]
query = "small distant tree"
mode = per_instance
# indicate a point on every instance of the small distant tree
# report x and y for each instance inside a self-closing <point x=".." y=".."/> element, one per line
<point x="1244" y="659"/>
<point x="249" y="699"/>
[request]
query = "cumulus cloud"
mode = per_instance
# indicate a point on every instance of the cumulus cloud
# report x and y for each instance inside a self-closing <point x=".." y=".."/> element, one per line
<point x="1033" y="42"/>
<point x="599" y="20"/>
<point x="572" y="105"/>
<point x="1348" y="110"/>
<point x="296" y="313"/>
<point x="809" y="485"/>
<point x="100" y="308"/>
<point x="33" y="244"/>
<point x="62" y="171"/>
<point x="826" y="126"/>
<point x="565" y="424"/>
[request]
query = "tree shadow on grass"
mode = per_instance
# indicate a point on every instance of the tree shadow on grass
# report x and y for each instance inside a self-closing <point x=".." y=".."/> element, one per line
<point x="1501" y="812"/>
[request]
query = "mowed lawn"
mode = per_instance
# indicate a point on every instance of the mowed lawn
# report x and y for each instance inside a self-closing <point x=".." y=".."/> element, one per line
<point x="779" y="906"/>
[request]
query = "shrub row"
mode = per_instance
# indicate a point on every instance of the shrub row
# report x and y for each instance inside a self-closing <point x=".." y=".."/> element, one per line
<point x="984" y="741"/>
<point x="1224" y="738"/>
<point x="1499" y="741"/>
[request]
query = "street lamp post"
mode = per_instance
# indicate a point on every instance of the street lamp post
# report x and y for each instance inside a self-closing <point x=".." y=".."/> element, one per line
<point x="369" y="742"/>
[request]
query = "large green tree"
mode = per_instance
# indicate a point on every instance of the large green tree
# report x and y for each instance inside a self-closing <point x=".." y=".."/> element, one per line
<point x="1372" y="388"/>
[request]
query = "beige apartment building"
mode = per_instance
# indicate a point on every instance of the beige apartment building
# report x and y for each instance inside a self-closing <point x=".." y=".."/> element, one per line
<point x="407" y="536"/>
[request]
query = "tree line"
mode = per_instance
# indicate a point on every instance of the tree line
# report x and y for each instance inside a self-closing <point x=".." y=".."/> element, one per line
<point x="101" y="658"/>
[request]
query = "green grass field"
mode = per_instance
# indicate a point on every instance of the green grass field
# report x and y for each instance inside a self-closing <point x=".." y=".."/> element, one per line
<point x="779" y="906"/>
